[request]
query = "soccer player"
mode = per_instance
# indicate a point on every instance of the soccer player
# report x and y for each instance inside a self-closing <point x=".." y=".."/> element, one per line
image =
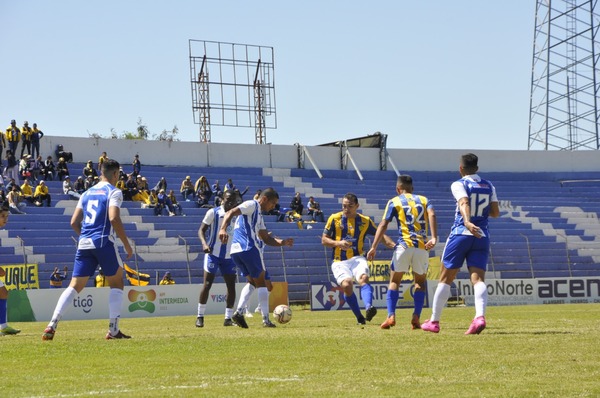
<point x="415" y="215"/>
<point x="345" y="232"/>
<point x="469" y="241"/>
<point x="249" y="237"/>
<point x="4" y="328"/>
<point x="96" y="217"/>
<point x="217" y="256"/>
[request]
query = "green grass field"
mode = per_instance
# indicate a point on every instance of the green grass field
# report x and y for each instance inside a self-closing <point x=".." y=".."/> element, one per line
<point x="529" y="351"/>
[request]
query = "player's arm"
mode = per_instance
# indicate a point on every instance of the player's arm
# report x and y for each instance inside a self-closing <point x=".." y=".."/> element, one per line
<point x="379" y="235"/>
<point x="329" y="242"/>
<point x="223" y="236"/>
<point x="273" y="241"/>
<point x="114" y="216"/>
<point x="201" y="234"/>
<point x="494" y="209"/>
<point x="76" y="220"/>
<point x="432" y="218"/>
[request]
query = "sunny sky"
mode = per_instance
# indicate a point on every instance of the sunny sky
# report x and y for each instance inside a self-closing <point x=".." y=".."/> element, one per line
<point x="436" y="74"/>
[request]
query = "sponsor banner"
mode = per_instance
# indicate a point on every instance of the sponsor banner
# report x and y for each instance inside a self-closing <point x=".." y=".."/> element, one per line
<point x="138" y="302"/>
<point x="379" y="270"/>
<point x="21" y="276"/>
<point x="330" y="296"/>
<point x="532" y="291"/>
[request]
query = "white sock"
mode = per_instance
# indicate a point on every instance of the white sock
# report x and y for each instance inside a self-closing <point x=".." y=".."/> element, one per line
<point x="65" y="299"/>
<point x="263" y="300"/>
<point x="228" y="313"/>
<point x="480" y="290"/>
<point x="201" y="309"/>
<point x="115" y="299"/>
<point x="245" y="296"/>
<point x="440" y="298"/>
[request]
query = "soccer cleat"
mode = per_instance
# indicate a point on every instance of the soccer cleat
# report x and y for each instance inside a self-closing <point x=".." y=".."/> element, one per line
<point x="370" y="313"/>
<point x="119" y="335"/>
<point x="389" y="322"/>
<point x="415" y="322"/>
<point x="361" y="320"/>
<point x="268" y="324"/>
<point x="477" y="326"/>
<point x="200" y="322"/>
<point x="48" y="333"/>
<point x="9" y="330"/>
<point x="431" y="326"/>
<point x="257" y="310"/>
<point x="228" y="322"/>
<point x="239" y="320"/>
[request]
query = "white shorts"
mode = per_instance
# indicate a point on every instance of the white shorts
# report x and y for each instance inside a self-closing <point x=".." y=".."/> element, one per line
<point x="354" y="267"/>
<point x="404" y="258"/>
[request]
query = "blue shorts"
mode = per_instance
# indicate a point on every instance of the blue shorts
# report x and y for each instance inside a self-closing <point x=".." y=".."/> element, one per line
<point x="86" y="261"/>
<point x="249" y="262"/>
<point x="213" y="263"/>
<point x="466" y="247"/>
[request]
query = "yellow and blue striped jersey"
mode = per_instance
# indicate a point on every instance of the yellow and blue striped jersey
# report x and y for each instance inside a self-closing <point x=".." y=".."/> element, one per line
<point x="352" y="230"/>
<point x="410" y="211"/>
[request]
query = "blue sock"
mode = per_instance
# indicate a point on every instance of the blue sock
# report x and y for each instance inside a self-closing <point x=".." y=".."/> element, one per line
<point x="392" y="301"/>
<point x="3" y="311"/>
<point x="352" y="302"/>
<point x="366" y="291"/>
<point x="419" y="299"/>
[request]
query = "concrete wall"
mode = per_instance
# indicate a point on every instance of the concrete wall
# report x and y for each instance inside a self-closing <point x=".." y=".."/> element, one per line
<point x="327" y="158"/>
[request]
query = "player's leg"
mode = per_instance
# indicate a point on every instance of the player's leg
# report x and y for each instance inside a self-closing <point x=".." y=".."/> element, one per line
<point x="360" y="270"/>
<point x="238" y="317"/>
<point x="420" y="263"/>
<point x="344" y="278"/>
<point x="230" y="301"/>
<point x="113" y="273"/>
<point x="477" y="263"/>
<point x="4" y="327"/>
<point x="202" y="300"/>
<point x="392" y="298"/>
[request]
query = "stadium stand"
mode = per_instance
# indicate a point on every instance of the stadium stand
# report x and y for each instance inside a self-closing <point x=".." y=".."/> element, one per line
<point x="548" y="226"/>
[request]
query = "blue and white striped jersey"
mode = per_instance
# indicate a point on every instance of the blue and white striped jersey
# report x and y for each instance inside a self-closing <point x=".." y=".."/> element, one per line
<point x="480" y="193"/>
<point x="247" y="225"/>
<point x="214" y="219"/>
<point x="96" y="229"/>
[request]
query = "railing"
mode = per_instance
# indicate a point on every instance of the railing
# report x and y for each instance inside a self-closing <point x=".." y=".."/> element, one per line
<point x="135" y="260"/>
<point x="349" y="156"/>
<point x="312" y="162"/>
<point x="566" y="238"/>
<point x="24" y="257"/>
<point x="529" y="254"/>
<point x="187" y="256"/>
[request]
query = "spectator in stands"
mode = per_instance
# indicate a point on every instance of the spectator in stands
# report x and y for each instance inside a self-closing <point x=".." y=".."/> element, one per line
<point x="41" y="194"/>
<point x="26" y="138"/>
<point x="202" y="200"/>
<point x="468" y="240"/>
<point x="143" y="190"/>
<point x="69" y="189"/>
<point x="12" y="166"/>
<point x="246" y="253"/>
<point x="62" y="169"/>
<point x="10" y="184"/>
<point x="89" y="170"/>
<point x="5" y="329"/>
<point x="24" y="172"/>
<point x="174" y="203"/>
<point x="49" y="169"/>
<point x="229" y="185"/>
<point x="163" y="202"/>
<point x="216" y="190"/>
<point x="122" y="173"/>
<point x="13" y="136"/>
<point x="314" y="210"/>
<point x="14" y="201"/>
<point x="137" y="166"/>
<point x="2" y="144"/>
<point x="202" y="187"/>
<point x="61" y="153"/>
<point x="36" y="136"/>
<point x="79" y="185"/>
<point x="167" y="280"/>
<point x="131" y="185"/>
<point x="100" y="280"/>
<point x="37" y="168"/>
<point x="296" y="203"/>
<point x="415" y="216"/>
<point x="161" y="184"/>
<point x="122" y="185"/>
<point x="217" y="258"/>
<point x="27" y="191"/>
<point x="103" y="157"/>
<point x="345" y="233"/>
<point x="88" y="182"/>
<point x="56" y="279"/>
<point x="187" y="189"/>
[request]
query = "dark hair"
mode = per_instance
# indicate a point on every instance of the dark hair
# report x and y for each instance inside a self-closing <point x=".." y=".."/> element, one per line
<point x="109" y="165"/>
<point x="469" y="162"/>
<point x="404" y="180"/>
<point x="351" y="197"/>
<point x="270" y="194"/>
<point x="4" y="206"/>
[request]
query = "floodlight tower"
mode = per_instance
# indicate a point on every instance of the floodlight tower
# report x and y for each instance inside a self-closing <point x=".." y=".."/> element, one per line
<point x="565" y="80"/>
<point x="241" y="88"/>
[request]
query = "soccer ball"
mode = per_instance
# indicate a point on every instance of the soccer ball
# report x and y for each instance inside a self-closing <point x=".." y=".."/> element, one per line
<point x="282" y="313"/>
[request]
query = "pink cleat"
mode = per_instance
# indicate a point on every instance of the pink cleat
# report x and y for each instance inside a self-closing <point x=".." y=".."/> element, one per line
<point x="431" y="326"/>
<point x="477" y="326"/>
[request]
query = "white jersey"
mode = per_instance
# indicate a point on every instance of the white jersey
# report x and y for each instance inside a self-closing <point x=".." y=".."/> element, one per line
<point x="247" y="226"/>
<point x="214" y="219"/>
<point x="96" y="229"/>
